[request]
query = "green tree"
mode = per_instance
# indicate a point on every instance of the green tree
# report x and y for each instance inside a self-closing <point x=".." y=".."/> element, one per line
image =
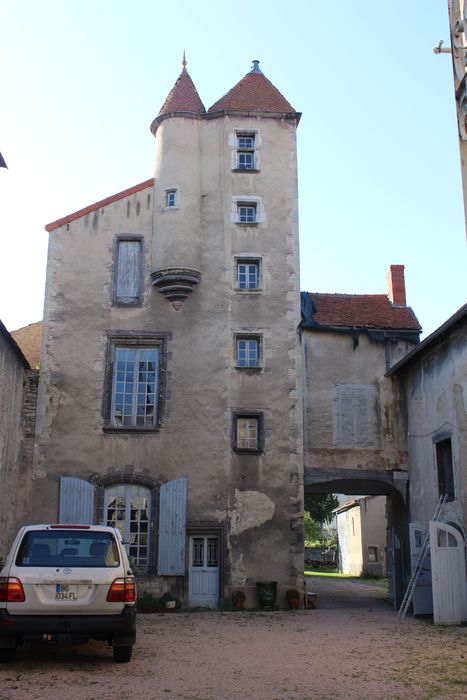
<point x="313" y="534"/>
<point x="320" y="506"/>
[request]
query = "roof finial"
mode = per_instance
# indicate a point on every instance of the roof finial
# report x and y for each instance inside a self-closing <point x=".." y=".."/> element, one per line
<point x="184" y="60"/>
<point x="255" y="67"/>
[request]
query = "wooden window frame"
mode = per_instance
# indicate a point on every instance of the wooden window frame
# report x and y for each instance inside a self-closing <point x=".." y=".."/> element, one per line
<point x="248" y="261"/>
<point x="248" y="415"/>
<point x="253" y="337"/>
<point x="133" y="340"/>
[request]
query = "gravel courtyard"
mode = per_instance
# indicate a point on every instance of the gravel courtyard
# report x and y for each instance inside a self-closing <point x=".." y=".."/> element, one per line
<point x="352" y="647"/>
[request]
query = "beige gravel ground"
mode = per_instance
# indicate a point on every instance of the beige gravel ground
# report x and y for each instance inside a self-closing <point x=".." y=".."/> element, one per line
<point x="351" y="648"/>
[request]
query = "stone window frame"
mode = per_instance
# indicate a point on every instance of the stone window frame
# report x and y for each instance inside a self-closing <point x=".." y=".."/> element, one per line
<point x="134" y="339"/>
<point x="122" y="238"/>
<point x="248" y="260"/>
<point x="128" y="476"/>
<point x="248" y="201"/>
<point x="445" y="479"/>
<point x="258" y="416"/>
<point x="249" y="335"/>
<point x="236" y="149"/>
<point x="373" y="554"/>
<point x="165" y="206"/>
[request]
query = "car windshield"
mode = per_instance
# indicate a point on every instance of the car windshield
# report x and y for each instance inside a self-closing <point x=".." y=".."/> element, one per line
<point x="72" y="548"/>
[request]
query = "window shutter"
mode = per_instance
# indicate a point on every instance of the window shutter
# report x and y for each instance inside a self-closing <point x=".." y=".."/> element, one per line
<point x="172" y="525"/>
<point x="76" y="501"/>
<point x="128" y="268"/>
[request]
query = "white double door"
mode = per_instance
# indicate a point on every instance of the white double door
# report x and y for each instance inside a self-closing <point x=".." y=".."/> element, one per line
<point x="203" y="573"/>
<point x="448" y="574"/>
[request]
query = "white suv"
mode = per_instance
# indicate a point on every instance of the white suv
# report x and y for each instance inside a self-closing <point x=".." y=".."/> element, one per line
<point x="66" y="584"/>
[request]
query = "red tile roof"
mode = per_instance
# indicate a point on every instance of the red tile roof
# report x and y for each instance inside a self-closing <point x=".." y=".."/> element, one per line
<point x="254" y="92"/>
<point x="29" y="339"/>
<point x="183" y="97"/>
<point x="361" y="311"/>
<point x="102" y="203"/>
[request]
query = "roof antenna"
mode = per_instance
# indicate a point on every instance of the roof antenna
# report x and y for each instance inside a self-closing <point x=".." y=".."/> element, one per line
<point x="184" y="60"/>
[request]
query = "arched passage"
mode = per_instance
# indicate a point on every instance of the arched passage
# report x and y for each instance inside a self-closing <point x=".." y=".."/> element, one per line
<point x="393" y="485"/>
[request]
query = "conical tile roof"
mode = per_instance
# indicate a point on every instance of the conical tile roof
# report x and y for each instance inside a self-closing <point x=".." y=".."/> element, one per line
<point x="253" y="93"/>
<point x="184" y="96"/>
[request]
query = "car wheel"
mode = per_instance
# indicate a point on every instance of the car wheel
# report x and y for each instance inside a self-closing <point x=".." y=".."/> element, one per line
<point x="122" y="654"/>
<point x="7" y="654"/>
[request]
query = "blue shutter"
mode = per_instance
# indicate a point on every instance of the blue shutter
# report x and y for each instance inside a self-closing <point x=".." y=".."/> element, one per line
<point x="172" y="525"/>
<point x="76" y="501"/>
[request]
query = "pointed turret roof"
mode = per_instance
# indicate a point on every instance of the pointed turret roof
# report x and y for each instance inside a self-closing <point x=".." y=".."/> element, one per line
<point x="254" y="92"/>
<point x="184" y="96"/>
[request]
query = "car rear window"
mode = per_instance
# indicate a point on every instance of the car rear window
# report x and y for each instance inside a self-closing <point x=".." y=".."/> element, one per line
<point x="68" y="548"/>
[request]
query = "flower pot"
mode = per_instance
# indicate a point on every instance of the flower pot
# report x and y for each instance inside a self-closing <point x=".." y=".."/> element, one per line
<point x="267" y="591"/>
<point x="294" y="603"/>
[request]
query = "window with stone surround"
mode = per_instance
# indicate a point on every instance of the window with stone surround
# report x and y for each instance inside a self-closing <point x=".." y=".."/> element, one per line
<point x="248" y="350"/>
<point x="247" y="273"/>
<point x="128" y="271"/>
<point x="133" y="394"/>
<point x="247" y="432"/>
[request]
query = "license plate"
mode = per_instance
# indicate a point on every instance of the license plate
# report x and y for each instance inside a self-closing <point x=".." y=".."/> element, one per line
<point x="64" y="591"/>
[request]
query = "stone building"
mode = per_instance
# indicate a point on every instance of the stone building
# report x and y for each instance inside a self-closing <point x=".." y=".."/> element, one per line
<point x="18" y="388"/>
<point x="354" y="430"/>
<point x="170" y="400"/>
<point x="431" y="381"/>
<point x="361" y="536"/>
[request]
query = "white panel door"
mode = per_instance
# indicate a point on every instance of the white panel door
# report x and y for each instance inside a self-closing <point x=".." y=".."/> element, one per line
<point x="423" y="596"/>
<point x="448" y="574"/>
<point x="203" y="582"/>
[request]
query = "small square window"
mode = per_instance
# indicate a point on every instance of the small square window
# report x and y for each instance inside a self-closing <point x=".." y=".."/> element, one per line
<point x="246" y="213"/>
<point x="372" y="555"/>
<point x="170" y="198"/>
<point x="248" y="433"/>
<point x="247" y="351"/>
<point x="248" y="274"/>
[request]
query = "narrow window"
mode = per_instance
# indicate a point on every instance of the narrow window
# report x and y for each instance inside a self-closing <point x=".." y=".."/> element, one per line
<point x="372" y="555"/>
<point x="247" y="351"/>
<point x="247" y="276"/>
<point x="246" y="143"/>
<point x="246" y="213"/>
<point x="170" y="198"/>
<point x="248" y="433"/>
<point x="134" y="387"/>
<point x="444" y="466"/>
<point x="128" y="508"/>
<point x="128" y="274"/>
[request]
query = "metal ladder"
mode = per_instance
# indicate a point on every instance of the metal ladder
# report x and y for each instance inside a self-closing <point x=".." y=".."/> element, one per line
<point x="408" y="595"/>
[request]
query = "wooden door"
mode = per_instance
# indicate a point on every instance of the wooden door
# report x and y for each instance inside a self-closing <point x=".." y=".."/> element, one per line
<point x="203" y="574"/>
<point x="448" y="574"/>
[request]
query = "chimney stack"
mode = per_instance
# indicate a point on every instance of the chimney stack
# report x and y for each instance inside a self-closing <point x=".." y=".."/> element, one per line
<point x="396" y="285"/>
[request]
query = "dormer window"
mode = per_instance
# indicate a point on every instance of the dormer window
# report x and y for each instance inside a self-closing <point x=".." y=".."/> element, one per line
<point x="170" y="198"/>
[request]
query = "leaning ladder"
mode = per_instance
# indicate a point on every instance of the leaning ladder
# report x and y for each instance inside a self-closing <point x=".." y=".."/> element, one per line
<point x="408" y="595"/>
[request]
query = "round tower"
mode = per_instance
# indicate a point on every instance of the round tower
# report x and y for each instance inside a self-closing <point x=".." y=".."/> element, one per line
<point x="177" y="204"/>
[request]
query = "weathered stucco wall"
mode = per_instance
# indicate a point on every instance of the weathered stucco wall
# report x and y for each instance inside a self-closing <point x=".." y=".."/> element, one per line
<point x="374" y="523"/>
<point x="256" y="498"/>
<point x="353" y="418"/>
<point x="12" y="372"/>
<point x="435" y="386"/>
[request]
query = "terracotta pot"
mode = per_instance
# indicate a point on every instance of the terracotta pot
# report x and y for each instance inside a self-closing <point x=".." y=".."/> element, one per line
<point x="294" y="603"/>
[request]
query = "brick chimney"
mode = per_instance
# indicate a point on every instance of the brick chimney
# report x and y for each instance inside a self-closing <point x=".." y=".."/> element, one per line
<point x="396" y="285"/>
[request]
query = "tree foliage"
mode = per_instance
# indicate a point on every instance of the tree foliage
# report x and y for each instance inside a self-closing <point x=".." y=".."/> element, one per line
<point x="313" y="533"/>
<point x="320" y="506"/>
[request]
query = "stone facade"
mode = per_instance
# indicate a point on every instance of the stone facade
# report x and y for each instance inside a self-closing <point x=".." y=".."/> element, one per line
<point x="228" y="426"/>
<point x="432" y="384"/>
<point x="17" y="417"/>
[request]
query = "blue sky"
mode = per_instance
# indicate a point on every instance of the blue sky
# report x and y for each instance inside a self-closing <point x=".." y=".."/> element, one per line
<point x="379" y="176"/>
